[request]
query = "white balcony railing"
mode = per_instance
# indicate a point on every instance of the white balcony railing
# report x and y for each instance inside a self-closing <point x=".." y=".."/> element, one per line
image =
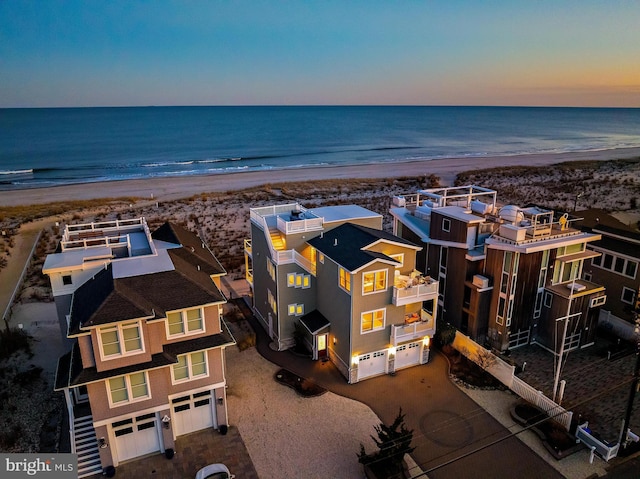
<point x="426" y="326"/>
<point x="408" y="290"/>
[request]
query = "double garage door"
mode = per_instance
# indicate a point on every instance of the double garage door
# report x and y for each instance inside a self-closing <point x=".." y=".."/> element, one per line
<point x="193" y="412"/>
<point x="408" y="355"/>
<point x="136" y="436"/>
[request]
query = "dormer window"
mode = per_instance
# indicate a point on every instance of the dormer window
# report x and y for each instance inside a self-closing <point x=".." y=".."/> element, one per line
<point x="120" y="340"/>
<point x="189" y="321"/>
<point x="446" y="225"/>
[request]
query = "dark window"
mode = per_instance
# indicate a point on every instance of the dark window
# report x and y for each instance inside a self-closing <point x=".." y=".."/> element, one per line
<point x="446" y="224"/>
<point x="146" y="416"/>
<point x="203" y="393"/>
<point x="204" y="402"/>
<point x="123" y="432"/>
<point x="122" y="423"/>
<point x="619" y="267"/>
<point x="146" y="425"/>
<point x="608" y="261"/>
<point x="184" y="407"/>
<point x="180" y="399"/>
<point x="66" y="279"/>
<point x="628" y="295"/>
<point x="632" y="266"/>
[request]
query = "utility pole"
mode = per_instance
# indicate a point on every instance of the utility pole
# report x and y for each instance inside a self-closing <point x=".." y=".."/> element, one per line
<point x="634" y="385"/>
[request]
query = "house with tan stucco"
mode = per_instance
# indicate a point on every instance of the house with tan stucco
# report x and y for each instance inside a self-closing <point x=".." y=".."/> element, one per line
<point x="142" y="312"/>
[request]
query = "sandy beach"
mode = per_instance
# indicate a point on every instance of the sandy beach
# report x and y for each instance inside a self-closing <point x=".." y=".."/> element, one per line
<point x="171" y="188"/>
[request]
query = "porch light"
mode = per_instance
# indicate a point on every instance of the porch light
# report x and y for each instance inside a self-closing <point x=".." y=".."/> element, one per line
<point x="426" y="341"/>
<point x="354" y="360"/>
<point x="102" y="443"/>
<point x="165" y="421"/>
<point x="220" y="400"/>
<point x="392" y="350"/>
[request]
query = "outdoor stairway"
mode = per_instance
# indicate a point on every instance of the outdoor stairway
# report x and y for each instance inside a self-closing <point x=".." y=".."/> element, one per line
<point x="277" y="240"/>
<point x="86" y="447"/>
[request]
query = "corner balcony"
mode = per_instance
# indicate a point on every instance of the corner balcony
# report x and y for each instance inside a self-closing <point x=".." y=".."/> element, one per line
<point x="413" y="289"/>
<point x="413" y="328"/>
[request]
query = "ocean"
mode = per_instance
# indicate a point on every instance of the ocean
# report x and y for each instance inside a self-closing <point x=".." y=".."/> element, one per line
<point x="55" y="146"/>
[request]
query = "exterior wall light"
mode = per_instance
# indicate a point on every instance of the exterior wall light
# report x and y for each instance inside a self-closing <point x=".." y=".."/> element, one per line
<point x="102" y="443"/>
<point x="220" y="400"/>
<point x="166" y="420"/>
<point x="426" y="341"/>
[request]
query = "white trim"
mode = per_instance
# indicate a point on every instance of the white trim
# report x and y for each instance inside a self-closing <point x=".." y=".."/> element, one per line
<point x="127" y="382"/>
<point x="633" y="295"/>
<point x="190" y="376"/>
<point x="183" y="316"/>
<point x="375" y="273"/>
<point x="121" y="341"/>
<point x="373" y="328"/>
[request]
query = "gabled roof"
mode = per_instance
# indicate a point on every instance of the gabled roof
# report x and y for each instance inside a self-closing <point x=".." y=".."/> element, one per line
<point x="346" y="245"/>
<point x="314" y="321"/>
<point x="193" y="251"/>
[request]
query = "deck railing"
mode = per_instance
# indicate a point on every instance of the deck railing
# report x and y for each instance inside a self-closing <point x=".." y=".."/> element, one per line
<point x="418" y="329"/>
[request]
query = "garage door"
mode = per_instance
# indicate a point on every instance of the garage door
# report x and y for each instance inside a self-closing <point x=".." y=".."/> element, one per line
<point x="193" y="412"/>
<point x="136" y="436"/>
<point x="372" y="364"/>
<point x="407" y="355"/>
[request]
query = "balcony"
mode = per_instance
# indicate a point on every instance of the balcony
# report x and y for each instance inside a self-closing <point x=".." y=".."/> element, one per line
<point x="413" y="289"/>
<point x="413" y="329"/>
<point x="247" y="248"/>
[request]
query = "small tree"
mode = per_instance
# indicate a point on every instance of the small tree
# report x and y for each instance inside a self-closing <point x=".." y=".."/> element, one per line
<point x="483" y="358"/>
<point x="393" y="441"/>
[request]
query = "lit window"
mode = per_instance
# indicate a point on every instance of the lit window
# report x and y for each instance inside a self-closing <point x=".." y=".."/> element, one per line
<point x="399" y="258"/>
<point x="374" y="281"/>
<point x="345" y="279"/>
<point x="190" y="366"/>
<point x="120" y="339"/>
<point x="291" y="280"/>
<point x="271" y="269"/>
<point x="372" y="321"/>
<point x="299" y="309"/>
<point x="292" y="309"/>
<point x="129" y="388"/>
<point x="321" y="257"/>
<point x="306" y="281"/>
<point x="298" y="280"/>
<point x="185" y="322"/>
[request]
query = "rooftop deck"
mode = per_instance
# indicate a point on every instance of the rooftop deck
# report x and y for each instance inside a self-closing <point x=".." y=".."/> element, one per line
<point x="123" y="238"/>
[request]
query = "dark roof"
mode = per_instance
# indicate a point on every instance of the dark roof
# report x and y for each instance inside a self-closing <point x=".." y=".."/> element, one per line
<point x="596" y="217"/>
<point x="103" y="299"/>
<point x="71" y="374"/>
<point x="618" y="245"/>
<point x="194" y="250"/>
<point x="315" y="321"/>
<point x="345" y="244"/>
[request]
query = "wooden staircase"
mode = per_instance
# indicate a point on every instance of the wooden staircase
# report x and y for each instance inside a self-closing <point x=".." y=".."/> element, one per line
<point x="86" y="444"/>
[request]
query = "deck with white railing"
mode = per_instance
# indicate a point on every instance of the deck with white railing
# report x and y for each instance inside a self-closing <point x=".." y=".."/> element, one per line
<point x="407" y="290"/>
<point x="426" y="326"/>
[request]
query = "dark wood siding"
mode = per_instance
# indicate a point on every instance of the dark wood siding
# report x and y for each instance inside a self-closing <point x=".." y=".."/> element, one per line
<point x="457" y="229"/>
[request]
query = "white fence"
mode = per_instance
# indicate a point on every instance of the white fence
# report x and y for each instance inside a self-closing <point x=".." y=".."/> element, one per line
<point x="505" y="373"/>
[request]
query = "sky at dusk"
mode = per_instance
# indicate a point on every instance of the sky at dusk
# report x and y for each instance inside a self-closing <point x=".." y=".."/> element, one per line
<point x="116" y="53"/>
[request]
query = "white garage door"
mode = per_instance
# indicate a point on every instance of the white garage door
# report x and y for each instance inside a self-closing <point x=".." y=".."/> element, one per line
<point x="407" y="355"/>
<point x="372" y="364"/>
<point x="136" y="436"/>
<point x="193" y="412"/>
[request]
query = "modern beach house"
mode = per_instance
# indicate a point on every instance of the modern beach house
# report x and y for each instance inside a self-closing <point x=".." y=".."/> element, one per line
<point x="509" y="275"/>
<point x="143" y="314"/>
<point x="616" y="268"/>
<point x="331" y="279"/>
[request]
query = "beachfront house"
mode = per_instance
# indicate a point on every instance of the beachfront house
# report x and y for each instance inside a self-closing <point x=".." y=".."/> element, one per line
<point x="616" y="268"/>
<point x="509" y="275"/>
<point x="143" y="313"/>
<point x="328" y="279"/>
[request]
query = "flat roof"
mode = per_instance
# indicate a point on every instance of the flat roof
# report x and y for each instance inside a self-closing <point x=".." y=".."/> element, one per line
<point x="343" y="212"/>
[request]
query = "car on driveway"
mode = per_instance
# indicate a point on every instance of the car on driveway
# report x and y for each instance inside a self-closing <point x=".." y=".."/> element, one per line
<point x="214" y="471"/>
